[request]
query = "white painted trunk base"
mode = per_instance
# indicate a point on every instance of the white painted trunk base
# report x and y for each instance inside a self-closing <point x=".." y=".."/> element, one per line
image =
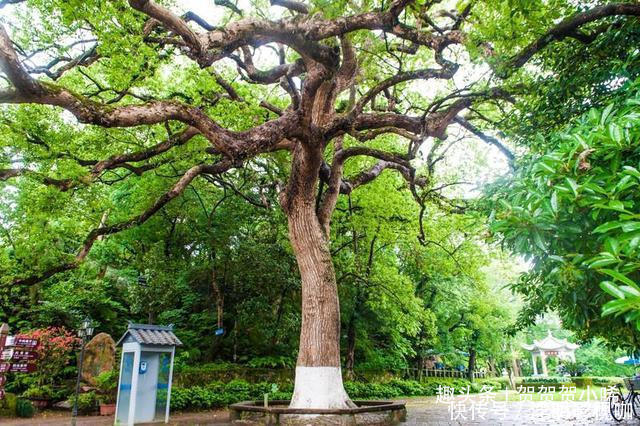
<point x="319" y="387"/>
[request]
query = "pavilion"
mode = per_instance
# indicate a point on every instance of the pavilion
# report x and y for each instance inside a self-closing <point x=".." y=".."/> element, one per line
<point x="549" y="347"/>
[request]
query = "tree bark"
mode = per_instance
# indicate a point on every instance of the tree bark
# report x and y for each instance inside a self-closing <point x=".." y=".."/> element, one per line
<point x="318" y="382"/>
<point x="472" y="364"/>
<point x="351" y="344"/>
<point x="217" y="293"/>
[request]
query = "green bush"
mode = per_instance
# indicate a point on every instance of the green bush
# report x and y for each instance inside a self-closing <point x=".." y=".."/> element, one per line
<point x="202" y="375"/>
<point x="583" y="382"/>
<point x="218" y="394"/>
<point x="87" y="402"/>
<point x="238" y="387"/>
<point x="408" y="387"/>
<point x="24" y="408"/>
<point x="550" y="379"/>
<point x="606" y="381"/>
<point x="272" y="362"/>
<point x="496" y="383"/>
<point x="8" y="405"/>
<point x="44" y="392"/>
<point x="538" y="386"/>
<point x="107" y="384"/>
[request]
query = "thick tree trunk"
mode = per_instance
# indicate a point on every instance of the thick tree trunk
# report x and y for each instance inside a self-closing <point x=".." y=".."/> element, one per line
<point x="472" y="364"/>
<point x="318" y="382"/>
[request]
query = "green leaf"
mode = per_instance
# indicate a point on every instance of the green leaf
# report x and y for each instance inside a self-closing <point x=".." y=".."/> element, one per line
<point x="612" y="289"/>
<point x="537" y="238"/>
<point x="605" y="113"/>
<point x="554" y="202"/>
<point x="623" y="182"/>
<point x="620" y="277"/>
<point x="630" y="226"/>
<point x="573" y="185"/>
<point x="607" y="226"/>
<point x="616" y="205"/>
<point x="615" y="132"/>
<point x="630" y="291"/>
<point x="603" y="262"/>
<point x="547" y="167"/>
<point x="617" y="306"/>
<point x="632" y="171"/>
<point x="612" y="245"/>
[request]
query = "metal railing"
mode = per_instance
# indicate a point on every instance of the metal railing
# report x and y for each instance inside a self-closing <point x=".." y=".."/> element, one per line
<point x="417" y="373"/>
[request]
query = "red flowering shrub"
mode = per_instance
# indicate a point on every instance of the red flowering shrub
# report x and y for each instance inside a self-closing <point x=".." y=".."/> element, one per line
<point x="55" y="350"/>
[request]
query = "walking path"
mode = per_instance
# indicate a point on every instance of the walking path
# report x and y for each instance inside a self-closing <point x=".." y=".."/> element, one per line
<point x="420" y="411"/>
<point x="426" y="411"/>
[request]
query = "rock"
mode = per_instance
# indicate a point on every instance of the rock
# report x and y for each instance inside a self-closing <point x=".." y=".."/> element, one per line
<point x="62" y="405"/>
<point x="99" y="356"/>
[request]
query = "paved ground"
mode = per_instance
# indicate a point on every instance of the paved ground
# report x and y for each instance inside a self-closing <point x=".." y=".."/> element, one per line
<point x="429" y="412"/>
<point x="421" y="411"/>
<point x="219" y="417"/>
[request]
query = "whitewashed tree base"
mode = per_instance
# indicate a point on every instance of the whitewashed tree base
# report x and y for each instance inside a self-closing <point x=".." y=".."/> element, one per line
<point x="319" y="387"/>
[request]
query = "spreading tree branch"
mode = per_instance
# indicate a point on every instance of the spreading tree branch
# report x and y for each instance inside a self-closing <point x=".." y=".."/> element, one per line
<point x="104" y="230"/>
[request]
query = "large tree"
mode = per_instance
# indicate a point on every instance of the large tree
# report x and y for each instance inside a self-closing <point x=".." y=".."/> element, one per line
<point x="351" y="73"/>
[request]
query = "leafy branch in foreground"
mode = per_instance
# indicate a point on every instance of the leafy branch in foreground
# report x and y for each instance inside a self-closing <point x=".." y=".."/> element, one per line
<point x="573" y="212"/>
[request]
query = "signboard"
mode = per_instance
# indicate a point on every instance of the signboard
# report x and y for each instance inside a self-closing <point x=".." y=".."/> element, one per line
<point x="18" y="355"/>
<point x="21" y="367"/>
<point x="22" y="342"/>
<point x="551" y="353"/>
<point x="16" y="352"/>
<point x="219" y="331"/>
<point x="4" y="332"/>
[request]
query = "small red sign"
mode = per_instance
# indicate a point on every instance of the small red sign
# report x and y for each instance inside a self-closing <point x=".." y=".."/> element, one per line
<point x="22" y="367"/>
<point x="17" y="367"/>
<point x="18" y="355"/>
<point x="25" y="342"/>
<point x="22" y="355"/>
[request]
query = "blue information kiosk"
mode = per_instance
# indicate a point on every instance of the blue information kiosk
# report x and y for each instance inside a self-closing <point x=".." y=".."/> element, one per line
<point x="146" y="369"/>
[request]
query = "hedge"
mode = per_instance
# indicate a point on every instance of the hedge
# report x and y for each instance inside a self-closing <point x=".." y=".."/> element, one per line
<point x="218" y="394"/>
<point x="580" y="381"/>
<point x="202" y="375"/>
<point x="550" y="379"/>
<point x="546" y="385"/>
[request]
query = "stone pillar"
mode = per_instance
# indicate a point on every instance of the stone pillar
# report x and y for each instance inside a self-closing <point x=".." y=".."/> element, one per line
<point x="543" y="357"/>
<point x="535" y="366"/>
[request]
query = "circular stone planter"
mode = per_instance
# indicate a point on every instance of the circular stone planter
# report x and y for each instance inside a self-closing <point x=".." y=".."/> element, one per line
<point x="279" y="413"/>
